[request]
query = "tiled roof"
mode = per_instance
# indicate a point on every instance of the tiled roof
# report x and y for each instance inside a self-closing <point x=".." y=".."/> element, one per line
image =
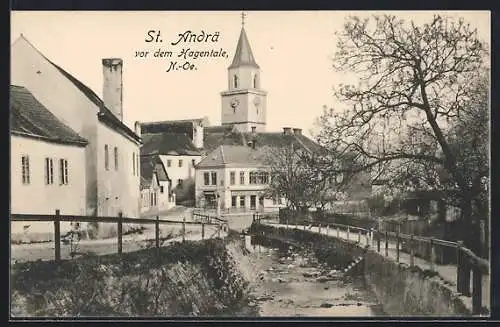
<point x="214" y="136"/>
<point x="168" y="143"/>
<point x="243" y="55"/>
<point x="28" y="117"/>
<point x="233" y="155"/>
<point x="105" y="114"/>
<point x="172" y="127"/>
<point x="149" y="166"/>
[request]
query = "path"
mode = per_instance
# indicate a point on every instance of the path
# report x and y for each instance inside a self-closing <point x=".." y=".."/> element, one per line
<point x="448" y="273"/>
<point x="134" y="242"/>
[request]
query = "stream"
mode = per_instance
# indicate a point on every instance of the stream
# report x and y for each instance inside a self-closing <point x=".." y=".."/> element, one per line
<point x="291" y="282"/>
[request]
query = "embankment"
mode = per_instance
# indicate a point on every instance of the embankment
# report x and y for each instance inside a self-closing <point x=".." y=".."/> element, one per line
<point x="204" y="278"/>
<point x="401" y="290"/>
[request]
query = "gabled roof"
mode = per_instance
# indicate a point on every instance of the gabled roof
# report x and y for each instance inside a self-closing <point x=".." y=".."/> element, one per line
<point x="168" y="144"/>
<point x="105" y="115"/>
<point x="243" y="55"/>
<point x="151" y="165"/>
<point x="233" y="155"/>
<point x="29" y="118"/>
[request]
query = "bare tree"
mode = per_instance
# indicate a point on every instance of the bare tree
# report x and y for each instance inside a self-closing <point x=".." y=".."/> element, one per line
<point x="417" y="85"/>
<point x="300" y="176"/>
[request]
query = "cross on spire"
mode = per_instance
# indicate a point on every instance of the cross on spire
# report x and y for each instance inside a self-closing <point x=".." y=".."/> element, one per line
<point x="243" y="15"/>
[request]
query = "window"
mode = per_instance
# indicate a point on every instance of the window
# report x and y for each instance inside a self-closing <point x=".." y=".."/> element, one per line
<point x="233" y="201"/>
<point x="242" y="201"/>
<point x="214" y="178"/>
<point x="193" y="162"/>
<point x="106" y="157"/>
<point x="49" y="171"/>
<point x="137" y="165"/>
<point x="161" y="189"/>
<point x="63" y="171"/>
<point x="235" y="81"/>
<point x="242" y="177"/>
<point x="169" y="163"/>
<point x="116" y="158"/>
<point x="133" y="163"/>
<point x="206" y="177"/>
<point x="256" y="81"/>
<point x="180" y="162"/>
<point x="179" y="182"/>
<point x="259" y="177"/>
<point x="253" y="177"/>
<point x="25" y="164"/>
<point x="232" y="178"/>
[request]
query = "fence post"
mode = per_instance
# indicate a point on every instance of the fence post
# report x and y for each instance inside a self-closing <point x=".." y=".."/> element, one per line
<point x="183" y="229"/>
<point x="327" y="229"/>
<point x="433" y="255"/>
<point x="463" y="284"/>
<point x="359" y="236"/>
<point x="202" y="230"/>
<point x="386" y="243"/>
<point x="367" y="235"/>
<point x="157" y="231"/>
<point x="338" y="231"/>
<point x="120" y="232"/>
<point x="412" y="251"/>
<point x="477" y="278"/>
<point x="57" y="236"/>
<point x="378" y="241"/>
<point x="348" y="233"/>
<point x="319" y="228"/>
<point x="398" y="243"/>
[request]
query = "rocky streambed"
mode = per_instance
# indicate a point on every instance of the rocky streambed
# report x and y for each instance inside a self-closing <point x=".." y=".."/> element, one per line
<point x="291" y="281"/>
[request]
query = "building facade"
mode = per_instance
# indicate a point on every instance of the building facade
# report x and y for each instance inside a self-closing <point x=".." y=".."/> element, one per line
<point x="47" y="166"/>
<point x="235" y="179"/>
<point x="112" y="165"/>
<point x="156" y="187"/>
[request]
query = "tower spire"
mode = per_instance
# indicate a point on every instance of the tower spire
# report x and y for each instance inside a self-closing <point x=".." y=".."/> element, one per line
<point x="243" y="55"/>
<point x="243" y="15"/>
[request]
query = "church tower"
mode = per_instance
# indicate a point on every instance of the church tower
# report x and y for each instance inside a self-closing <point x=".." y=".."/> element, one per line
<point x="244" y="103"/>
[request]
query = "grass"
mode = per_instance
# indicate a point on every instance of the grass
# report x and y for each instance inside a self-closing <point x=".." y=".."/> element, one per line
<point x="188" y="279"/>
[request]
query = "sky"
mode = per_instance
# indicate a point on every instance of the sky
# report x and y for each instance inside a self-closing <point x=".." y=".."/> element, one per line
<point x="292" y="48"/>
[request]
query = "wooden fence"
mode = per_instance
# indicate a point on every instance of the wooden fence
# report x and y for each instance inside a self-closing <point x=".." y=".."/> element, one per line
<point x="464" y="259"/>
<point x="57" y="218"/>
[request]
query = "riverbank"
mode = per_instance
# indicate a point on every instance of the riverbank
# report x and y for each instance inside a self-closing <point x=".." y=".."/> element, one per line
<point x="184" y="279"/>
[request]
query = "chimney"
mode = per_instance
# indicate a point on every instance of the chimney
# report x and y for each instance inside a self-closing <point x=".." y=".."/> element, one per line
<point x="287" y="131"/>
<point x="297" y="131"/>
<point x="112" y="92"/>
<point x="137" y="128"/>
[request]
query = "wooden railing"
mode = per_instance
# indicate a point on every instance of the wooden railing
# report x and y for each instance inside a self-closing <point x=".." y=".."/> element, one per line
<point x="464" y="259"/>
<point x="57" y="218"/>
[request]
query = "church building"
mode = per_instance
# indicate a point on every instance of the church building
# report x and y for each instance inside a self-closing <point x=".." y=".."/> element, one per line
<point x="241" y="132"/>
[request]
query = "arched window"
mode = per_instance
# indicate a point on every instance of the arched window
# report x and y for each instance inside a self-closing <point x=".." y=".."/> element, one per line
<point x="256" y="81"/>
<point x="235" y="81"/>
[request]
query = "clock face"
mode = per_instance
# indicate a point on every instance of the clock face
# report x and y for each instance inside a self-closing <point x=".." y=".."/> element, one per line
<point x="235" y="103"/>
<point x="256" y="101"/>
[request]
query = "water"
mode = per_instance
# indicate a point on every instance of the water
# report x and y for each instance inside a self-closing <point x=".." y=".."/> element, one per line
<point x="291" y="282"/>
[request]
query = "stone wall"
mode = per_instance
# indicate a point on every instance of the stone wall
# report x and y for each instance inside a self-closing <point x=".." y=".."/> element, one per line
<point x="401" y="290"/>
